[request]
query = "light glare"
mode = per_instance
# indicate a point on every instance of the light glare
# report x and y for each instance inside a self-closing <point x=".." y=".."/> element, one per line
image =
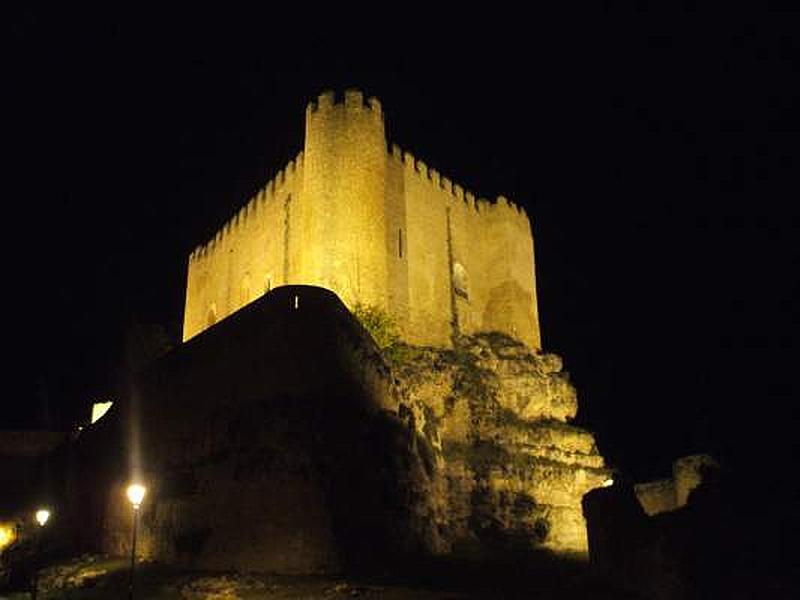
<point x="42" y="516"/>
<point x="136" y="494"/>
<point x="608" y="483"/>
<point x="7" y="535"/>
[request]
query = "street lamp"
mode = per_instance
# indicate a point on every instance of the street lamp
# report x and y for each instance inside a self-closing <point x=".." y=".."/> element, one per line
<point x="135" y="493"/>
<point x="42" y="516"/>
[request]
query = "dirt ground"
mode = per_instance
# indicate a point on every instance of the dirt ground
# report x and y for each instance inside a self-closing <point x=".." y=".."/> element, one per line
<point x="107" y="578"/>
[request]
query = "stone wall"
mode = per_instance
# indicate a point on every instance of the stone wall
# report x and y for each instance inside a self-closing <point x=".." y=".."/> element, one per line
<point x="712" y="546"/>
<point x="666" y="495"/>
<point x="272" y="443"/>
<point x="253" y="253"/>
<point x="470" y="262"/>
<point x="656" y="496"/>
<point x="378" y="228"/>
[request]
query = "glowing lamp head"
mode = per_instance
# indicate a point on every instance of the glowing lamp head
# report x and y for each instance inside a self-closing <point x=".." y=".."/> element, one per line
<point x="42" y="516"/>
<point x="136" y="494"/>
<point x="608" y="482"/>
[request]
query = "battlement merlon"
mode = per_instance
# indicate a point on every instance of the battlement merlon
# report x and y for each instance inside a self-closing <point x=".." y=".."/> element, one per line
<point x="353" y="100"/>
<point x="501" y="204"/>
<point x="249" y="211"/>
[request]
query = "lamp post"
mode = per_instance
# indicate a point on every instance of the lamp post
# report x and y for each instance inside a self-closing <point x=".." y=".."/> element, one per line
<point x="135" y="494"/>
<point x="42" y="516"/>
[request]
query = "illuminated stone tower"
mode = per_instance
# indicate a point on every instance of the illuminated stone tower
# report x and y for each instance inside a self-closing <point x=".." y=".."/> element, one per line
<point x="378" y="227"/>
<point x="343" y="200"/>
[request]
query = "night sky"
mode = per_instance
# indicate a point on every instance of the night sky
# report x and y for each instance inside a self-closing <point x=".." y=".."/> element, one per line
<point x="656" y="156"/>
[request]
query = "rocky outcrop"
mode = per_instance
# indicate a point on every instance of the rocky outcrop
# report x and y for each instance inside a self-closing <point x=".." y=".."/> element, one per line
<point x="510" y="471"/>
<point x="284" y="440"/>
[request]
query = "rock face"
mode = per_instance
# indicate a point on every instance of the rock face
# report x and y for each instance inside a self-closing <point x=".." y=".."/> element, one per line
<point x="510" y="471"/>
<point x="283" y="440"/>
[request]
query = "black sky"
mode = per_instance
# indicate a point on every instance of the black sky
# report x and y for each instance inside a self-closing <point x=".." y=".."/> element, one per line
<point x="656" y="155"/>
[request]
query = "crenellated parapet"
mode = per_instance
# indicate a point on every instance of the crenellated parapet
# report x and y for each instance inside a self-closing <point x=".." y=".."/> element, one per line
<point x="250" y="212"/>
<point x="352" y="101"/>
<point x="378" y="226"/>
<point x="432" y="177"/>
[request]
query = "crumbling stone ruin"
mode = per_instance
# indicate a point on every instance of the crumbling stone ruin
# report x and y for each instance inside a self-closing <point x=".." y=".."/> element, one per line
<point x="665" y="495"/>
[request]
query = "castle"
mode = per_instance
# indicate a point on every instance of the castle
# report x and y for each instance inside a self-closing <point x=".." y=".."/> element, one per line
<point x="487" y="411"/>
<point x="380" y="229"/>
<point x="458" y="443"/>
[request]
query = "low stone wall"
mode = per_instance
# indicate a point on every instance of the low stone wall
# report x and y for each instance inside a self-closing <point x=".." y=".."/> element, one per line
<point x="656" y="496"/>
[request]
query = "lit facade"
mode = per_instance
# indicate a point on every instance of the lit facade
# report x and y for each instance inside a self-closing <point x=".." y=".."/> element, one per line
<point x="378" y="227"/>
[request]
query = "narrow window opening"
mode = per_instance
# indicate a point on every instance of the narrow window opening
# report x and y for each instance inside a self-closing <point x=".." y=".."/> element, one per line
<point x="287" y="217"/>
<point x="296" y="302"/>
<point x="400" y="242"/>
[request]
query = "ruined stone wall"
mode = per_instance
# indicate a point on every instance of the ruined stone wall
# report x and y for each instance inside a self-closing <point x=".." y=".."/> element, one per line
<point x="378" y="228"/>
<point x="688" y="472"/>
<point x="656" y="496"/>
<point x="708" y="545"/>
<point x="665" y="495"/>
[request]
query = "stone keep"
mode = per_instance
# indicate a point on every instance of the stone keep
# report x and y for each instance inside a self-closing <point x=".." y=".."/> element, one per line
<point x="380" y="229"/>
<point x="489" y="411"/>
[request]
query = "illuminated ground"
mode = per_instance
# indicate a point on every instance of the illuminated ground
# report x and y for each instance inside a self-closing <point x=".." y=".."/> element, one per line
<point x="105" y="578"/>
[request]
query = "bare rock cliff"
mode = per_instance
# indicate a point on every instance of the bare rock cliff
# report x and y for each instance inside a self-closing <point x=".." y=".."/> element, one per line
<point x="509" y="470"/>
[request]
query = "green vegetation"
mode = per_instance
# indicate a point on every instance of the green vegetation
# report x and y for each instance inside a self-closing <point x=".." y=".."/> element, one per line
<point x="378" y="324"/>
<point x="400" y="354"/>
